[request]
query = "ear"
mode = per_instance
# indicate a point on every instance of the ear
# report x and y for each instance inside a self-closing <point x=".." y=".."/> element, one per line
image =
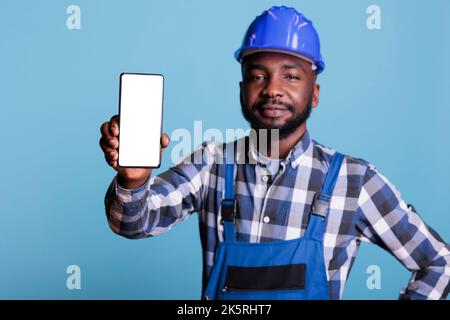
<point x="316" y="94"/>
<point x="241" y="92"/>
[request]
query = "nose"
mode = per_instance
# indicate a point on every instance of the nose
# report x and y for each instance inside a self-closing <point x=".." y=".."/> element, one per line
<point x="273" y="88"/>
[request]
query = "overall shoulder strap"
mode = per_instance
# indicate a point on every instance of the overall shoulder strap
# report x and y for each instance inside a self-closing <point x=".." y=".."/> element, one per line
<point x="321" y="202"/>
<point x="332" y="174"/>
<point x="228" y="209"/>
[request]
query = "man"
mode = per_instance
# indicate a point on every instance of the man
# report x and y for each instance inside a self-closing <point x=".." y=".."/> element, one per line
<point x="283" y="225"/>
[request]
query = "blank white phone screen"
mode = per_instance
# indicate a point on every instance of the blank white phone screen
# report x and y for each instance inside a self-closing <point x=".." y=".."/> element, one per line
<point x="140" y="109"/>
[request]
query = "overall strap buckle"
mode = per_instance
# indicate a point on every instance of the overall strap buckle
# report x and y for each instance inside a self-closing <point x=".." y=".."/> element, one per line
<point x="228" y="210"/>
<point x="321" y="204"/>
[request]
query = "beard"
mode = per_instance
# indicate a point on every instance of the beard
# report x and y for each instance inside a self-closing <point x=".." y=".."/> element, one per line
<point x="288" y="127"/>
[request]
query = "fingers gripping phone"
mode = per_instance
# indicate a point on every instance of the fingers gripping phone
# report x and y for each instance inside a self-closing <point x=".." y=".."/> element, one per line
<point x="140" y="113"/>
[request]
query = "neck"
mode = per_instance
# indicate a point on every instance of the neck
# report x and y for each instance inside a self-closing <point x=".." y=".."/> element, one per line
<point x="284" y="145"/>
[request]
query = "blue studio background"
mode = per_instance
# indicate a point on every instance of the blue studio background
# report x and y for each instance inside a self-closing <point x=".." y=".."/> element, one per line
<point x="384" y="97"/>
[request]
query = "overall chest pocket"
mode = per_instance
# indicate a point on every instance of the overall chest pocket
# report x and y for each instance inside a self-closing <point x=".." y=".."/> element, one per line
<point x="266" y="278"/>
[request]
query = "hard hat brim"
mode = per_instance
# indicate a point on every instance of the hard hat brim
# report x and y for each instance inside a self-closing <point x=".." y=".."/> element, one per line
<point x="240" y="54"/>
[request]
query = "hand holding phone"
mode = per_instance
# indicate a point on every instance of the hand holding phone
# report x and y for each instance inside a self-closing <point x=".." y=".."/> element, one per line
<point x="128" y="177"/>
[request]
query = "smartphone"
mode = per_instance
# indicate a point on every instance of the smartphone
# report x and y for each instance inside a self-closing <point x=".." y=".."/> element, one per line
<point x="140" y="112"/>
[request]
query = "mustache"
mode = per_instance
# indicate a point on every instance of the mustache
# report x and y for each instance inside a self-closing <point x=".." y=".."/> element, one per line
<point x="267" y="103"/>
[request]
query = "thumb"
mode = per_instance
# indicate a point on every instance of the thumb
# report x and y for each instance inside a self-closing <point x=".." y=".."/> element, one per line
<point x="165" y="140"/>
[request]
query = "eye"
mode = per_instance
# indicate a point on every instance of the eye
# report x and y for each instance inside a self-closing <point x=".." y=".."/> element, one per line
<point x="292" y="77"/>
<point x="257" y="77"/>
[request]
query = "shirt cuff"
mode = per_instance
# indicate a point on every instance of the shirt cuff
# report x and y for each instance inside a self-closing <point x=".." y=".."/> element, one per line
<point x="126" y="196"/>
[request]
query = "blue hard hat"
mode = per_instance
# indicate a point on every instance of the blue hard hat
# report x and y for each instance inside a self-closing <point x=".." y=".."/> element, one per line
<point x="283" y="29"/>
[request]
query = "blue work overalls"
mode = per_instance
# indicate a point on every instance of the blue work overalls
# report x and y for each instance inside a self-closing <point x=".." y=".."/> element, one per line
<point x="278" y="270"/>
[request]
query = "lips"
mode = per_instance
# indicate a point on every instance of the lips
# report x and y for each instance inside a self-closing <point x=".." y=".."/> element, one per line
<point x="273" y="111"/>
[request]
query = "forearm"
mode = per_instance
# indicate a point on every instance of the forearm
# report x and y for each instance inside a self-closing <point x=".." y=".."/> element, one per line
<point x="431" y="278"/>
<point x="158" y="203"/>
<point x="126" y="210"/>
<point x="429" y="283"/>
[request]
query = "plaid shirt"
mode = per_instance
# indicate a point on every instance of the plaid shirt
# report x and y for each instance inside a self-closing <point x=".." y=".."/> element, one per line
<point x="365" y="206"/>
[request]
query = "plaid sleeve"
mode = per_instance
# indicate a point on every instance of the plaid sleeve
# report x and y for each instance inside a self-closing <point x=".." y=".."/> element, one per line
<point x="385" y="219"/>
<point x="163" y="201"/>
